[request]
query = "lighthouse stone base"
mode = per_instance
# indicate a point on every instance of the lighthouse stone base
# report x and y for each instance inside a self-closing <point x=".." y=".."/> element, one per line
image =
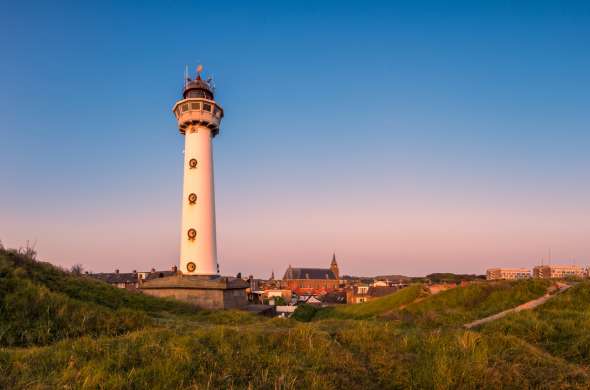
<point x="207" y="292"/>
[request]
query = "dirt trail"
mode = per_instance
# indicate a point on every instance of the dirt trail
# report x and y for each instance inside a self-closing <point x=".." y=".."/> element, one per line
<point x="561" y="287"/>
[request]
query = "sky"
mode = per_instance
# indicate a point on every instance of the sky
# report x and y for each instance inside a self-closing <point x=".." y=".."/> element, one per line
<point x="406" y="137"/>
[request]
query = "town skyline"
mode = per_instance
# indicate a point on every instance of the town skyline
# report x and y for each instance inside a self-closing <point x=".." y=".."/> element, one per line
<point x="454" y="144"/>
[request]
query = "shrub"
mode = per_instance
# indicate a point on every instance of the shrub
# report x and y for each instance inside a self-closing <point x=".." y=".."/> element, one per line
<point x="304" y="313"/>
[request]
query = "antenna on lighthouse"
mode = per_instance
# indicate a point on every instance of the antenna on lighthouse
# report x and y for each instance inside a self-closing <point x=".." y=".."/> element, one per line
<point x="185" y="75"/>
<point x="211" y="83"/>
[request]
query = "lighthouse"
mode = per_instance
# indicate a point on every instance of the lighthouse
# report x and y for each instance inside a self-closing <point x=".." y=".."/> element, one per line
<point x="198" y="116"/>
<point x="198" y="282"/>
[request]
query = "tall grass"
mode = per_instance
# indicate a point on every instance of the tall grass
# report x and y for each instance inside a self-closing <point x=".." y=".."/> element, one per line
<point x="40" y="304"/>
<point x="84" y="288"/>
<point x="33" y="315"/>
<point x="361" y="355"/>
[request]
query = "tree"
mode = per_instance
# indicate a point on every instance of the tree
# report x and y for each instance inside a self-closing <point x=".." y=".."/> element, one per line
<point x="77" y="269"/>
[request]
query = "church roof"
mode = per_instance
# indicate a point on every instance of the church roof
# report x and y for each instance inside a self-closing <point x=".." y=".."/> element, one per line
<point x="308" y="273"/>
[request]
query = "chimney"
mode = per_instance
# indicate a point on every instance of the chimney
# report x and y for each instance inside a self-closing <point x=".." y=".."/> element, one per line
<point x="153" y="270"/>
<point x="117" y="271"/>
<point x="174" y="268"/>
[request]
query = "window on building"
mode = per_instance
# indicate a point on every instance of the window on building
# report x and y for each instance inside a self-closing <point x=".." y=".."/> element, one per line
<point x="195" y="106"/>
<point x="207" y="107"/>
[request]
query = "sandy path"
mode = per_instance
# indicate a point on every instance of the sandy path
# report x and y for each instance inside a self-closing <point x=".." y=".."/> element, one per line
<point x="525" y="306"/>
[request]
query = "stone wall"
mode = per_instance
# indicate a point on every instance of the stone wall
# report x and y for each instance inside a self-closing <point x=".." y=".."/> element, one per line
<point x="204" y="298"/>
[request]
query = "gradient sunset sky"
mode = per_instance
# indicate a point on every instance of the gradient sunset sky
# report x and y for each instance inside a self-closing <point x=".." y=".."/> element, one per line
<point x="409" y="138"/>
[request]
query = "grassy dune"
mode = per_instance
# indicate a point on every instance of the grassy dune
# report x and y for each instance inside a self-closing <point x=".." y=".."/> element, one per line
<point x="17" y="267"/>
<point x="457" y="306"/>
<point x="406" y="340"/>
<point x="363" y="354"/>
<point x="41" y="304"/>
<point x="561" y="326"/>
<point x="413" y="305"/>
<point x="374" y="308"/>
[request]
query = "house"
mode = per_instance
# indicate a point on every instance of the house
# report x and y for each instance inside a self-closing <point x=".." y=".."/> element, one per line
<point x="333" y="298"/>
<point x="365" y="293"/>
<point x="131" y="280"/>
<point x="127" y="280"/>
<point x="277" y="295"/>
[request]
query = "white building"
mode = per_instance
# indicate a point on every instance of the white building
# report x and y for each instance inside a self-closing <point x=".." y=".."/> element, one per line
<point x="553" y="271"/>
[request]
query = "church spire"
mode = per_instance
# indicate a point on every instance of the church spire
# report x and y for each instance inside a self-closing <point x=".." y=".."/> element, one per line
<point x="334" y="266"/>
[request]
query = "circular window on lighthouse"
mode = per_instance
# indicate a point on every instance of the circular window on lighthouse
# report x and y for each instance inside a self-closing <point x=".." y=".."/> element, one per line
<point x="192" y="234"/>
<point x="192" y="163"/>
<point x="191" y="267"/>
<point x="192" y="198"/>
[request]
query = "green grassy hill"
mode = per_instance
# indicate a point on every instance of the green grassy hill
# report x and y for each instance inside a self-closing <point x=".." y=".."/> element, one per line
<point x="560" y="326"/>
<point x="374" y="308"/>
<point x="40" y="304"/>
<point x="458" y="306"/>
<point x="413" y="305"/>
<point x="406" y="340"/>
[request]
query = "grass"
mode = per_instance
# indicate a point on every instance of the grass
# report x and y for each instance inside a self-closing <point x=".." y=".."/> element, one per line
<point x="458" y="306"/>
<point x="15" y="265"/>
<point x="364" y="354"/>
<point x="41" y="304"/>
<point x="374" y="308"/>
<point x="406" y="340"/>
<point x="560" y="326"/>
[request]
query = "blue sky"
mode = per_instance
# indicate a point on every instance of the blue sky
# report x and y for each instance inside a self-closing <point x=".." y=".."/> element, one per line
<point x="408" y="137"/>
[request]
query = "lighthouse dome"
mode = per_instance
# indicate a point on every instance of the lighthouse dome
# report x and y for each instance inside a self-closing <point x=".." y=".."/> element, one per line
<point x="197" y="88"/>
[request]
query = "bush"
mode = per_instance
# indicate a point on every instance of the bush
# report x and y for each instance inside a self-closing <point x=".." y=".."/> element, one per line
<point x="304" y="313"/>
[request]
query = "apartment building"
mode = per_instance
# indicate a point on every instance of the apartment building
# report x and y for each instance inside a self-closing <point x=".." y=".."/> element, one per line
<point x="558" y="271"/>
<point x="507" y="273"/>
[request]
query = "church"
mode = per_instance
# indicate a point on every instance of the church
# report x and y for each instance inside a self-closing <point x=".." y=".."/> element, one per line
<point x="312" y="280"/>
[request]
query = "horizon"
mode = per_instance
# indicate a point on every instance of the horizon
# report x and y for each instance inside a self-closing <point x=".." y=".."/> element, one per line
<point x="408" y="139"/>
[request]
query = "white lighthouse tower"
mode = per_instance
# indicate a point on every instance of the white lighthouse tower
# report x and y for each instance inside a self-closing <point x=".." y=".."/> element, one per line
<point x="199" y="117"/>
